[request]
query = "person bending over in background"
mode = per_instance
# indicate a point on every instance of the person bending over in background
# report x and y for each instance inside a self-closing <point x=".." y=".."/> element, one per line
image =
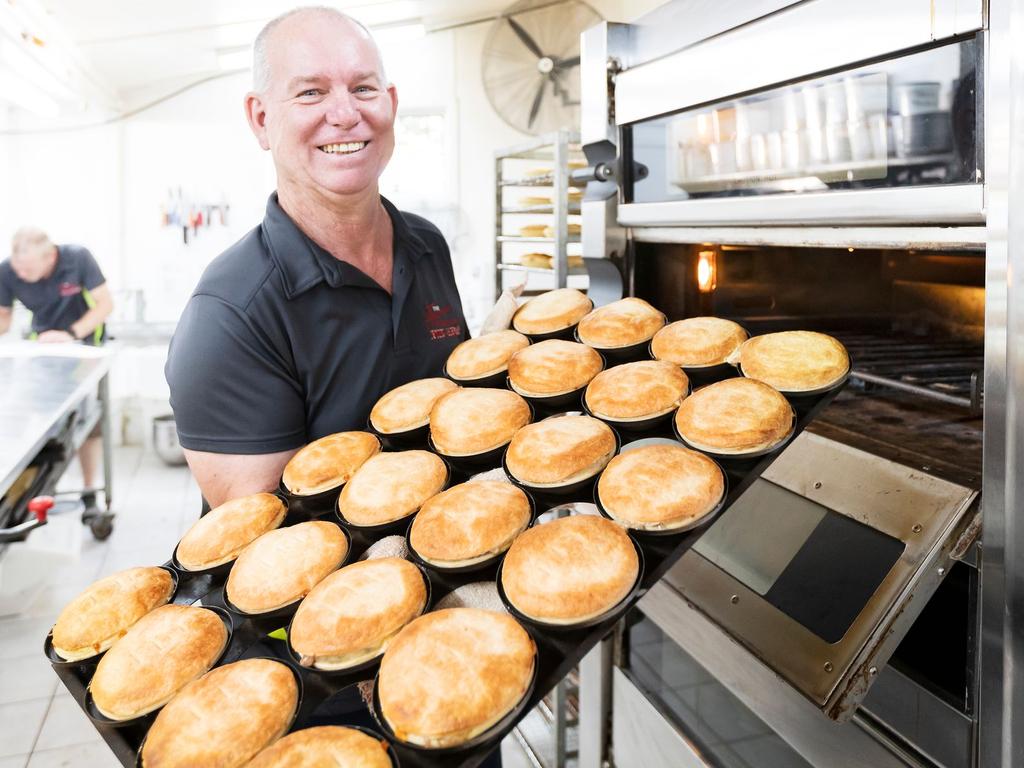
<point x="67" y="294"/>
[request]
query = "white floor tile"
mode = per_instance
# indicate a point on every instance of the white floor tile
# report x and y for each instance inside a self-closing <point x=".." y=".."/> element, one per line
<point x="92" y="755"/>
<point x="19" y="725"/>
<point x="14" y="761"/>
<point x="22" y="636"/>
<point x="65" y="724"/>
<point x="25" y="678"/>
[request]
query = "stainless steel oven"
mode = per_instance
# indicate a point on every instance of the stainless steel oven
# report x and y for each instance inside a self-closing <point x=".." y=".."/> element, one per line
<point x="846" y="168"/>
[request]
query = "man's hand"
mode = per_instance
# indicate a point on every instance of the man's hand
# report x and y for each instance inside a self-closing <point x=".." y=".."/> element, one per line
<point x="55" y="337"/>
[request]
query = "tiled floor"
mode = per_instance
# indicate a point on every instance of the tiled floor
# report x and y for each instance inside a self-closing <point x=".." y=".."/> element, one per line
<point x="41" y="726"/>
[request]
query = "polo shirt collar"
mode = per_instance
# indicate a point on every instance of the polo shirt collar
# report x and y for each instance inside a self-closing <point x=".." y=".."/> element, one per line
<point x="304" y="264"/>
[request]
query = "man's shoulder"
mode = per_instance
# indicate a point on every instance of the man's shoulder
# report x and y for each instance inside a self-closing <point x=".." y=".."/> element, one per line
<point x="423" y="228"/>
<point x="238" y="274"/>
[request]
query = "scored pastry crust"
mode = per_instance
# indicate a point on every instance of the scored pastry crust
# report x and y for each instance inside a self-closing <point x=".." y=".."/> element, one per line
<point x="105" y="610"/>
<point x="552" y="311"/>
<point x="484" y="355"/>
<point x="553" y="367"/>
<point x="328" y="462"/>
<point x="476" y="420"/>
<point x="560" y="450"/>
<point x="635" y="391"/>
<point x="452" y="674"/>
<point x="391" y="486"/>
<point x="620" y="324"/>
<point x="660" y="487"/>
<point x="532" y="230"/>
<point x="352" y="615"/>
<point x="166" y="649"/>
<point x="282" y="566"/>
<point x="469" y="523"/>
<point x="325" y="746"/>
<point x="218" y="536"/>
<point x="224" y="718"/>
<point x="794" y="361"/>
<point x="408" y="406"/>
<point x="698" y="342"/>
<point x="570" y="570"/>
<point x="735" y="416"/>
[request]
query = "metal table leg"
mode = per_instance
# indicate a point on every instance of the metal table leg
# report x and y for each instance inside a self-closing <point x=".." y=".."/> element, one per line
<point x="104" y="398"/>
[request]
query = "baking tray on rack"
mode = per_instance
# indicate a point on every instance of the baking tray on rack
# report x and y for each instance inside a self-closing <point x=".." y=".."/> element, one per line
<point x="557" y="651"/>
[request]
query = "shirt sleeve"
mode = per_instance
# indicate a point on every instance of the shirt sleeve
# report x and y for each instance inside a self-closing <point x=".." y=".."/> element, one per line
<point x="231" y="392"/>
<point x="92" y="275"/>
<point x="6" y="294"/>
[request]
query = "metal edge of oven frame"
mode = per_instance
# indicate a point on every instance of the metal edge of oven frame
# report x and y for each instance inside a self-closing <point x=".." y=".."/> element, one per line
<point x="1001" y="683"/>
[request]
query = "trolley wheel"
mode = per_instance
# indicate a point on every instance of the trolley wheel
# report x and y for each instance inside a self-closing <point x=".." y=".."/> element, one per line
<point x="101" y="526"/>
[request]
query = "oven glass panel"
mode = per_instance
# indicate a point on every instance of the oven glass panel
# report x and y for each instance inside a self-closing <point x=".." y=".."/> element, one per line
<point x="909" y="121"/>
<point x="817" y="566"/>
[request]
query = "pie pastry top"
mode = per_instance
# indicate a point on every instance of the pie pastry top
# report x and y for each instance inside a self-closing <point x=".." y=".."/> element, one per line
<point x="485" y="355"/>
<point x="735" y="416"/>
<point x="408" y="406"/>
<point x="218" y="536"/>
<point x="350" y="616"/>
<point x="452" y="674"/>
<point x="281" y="566"/>
<point x="570" y="570"/>
<point x="328" y="462"/>
<point x="476" y="420"/>
<point x="636" y="390"/>
<point x="659" y="487"/>
<point x="552" y="311"/>
<point x="225" y="717"/>
<point x="166" y="649"/>
<point x="391" y="486"/>
<point x="794" y="361"/>
<point x="94" y="620"/>
<point x="470" y="521"/>
<point x="330" y="746"/>
<point x="553" y="367"/>
<point x="620" y="324"/>
<point x="698" y="341"/>
<point x="560" y="450"/>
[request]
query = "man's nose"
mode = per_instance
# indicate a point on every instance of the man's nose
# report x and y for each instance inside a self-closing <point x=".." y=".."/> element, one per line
<point x="343" y="111"/>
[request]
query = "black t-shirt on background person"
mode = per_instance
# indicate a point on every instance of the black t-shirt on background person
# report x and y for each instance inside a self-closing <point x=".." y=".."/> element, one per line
<point x="281" y="343"/>
<point x="59" y="300"/>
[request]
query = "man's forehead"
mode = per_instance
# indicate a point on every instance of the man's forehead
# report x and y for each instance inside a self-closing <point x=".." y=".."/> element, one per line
<point x="310" y="45"/>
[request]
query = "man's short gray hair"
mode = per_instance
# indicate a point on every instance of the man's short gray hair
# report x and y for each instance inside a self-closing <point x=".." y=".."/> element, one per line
<point x="29" y="239"/>
<point x="260" y="62"/>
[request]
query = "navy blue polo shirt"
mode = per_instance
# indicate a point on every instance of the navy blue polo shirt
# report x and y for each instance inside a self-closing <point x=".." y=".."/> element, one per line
<point x="281" y="343"/>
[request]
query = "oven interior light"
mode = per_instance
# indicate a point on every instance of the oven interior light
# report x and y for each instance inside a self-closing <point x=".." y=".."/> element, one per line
<point x="706" y="271"/>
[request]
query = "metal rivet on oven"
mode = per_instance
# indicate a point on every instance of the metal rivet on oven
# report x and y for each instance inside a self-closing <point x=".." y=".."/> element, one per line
<point x="817" y="484"/>
<point x="916" y="528"/>
<point x="941" y="571"/>
<point x="828" y="666"/>
<point x="734" y="599"/>
<point x="873" y="671"/>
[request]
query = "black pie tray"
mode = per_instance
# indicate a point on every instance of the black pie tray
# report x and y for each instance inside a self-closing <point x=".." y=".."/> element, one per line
<point x="494" y="380"/>
<point x="617" y="355"/>
<point x="562" y="401"/>
<point x="401" y="441"/>
<point x="312" y="506"/>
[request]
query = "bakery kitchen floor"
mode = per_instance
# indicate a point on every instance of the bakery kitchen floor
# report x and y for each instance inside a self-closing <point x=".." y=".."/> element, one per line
<point x="41" y="726"/>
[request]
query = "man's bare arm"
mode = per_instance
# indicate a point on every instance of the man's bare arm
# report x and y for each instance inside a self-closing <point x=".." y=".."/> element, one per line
<point x="5" y="319"/>
<point x="88" y="322"/>
<point x="224" y="476"/>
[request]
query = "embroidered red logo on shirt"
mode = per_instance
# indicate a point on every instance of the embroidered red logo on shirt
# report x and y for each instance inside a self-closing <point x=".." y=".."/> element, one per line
<point x="69" y="289"/>
<point x="440" y="323"/>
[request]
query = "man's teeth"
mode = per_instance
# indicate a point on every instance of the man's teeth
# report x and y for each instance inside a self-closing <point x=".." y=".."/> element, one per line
<point x="345" y="149"/>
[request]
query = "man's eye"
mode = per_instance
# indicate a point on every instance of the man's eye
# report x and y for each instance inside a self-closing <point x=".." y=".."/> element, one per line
<point x="309" y="92"/>
<point x="365" y="89"/>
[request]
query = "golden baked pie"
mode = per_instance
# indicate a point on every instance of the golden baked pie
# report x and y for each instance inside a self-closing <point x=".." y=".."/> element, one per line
<point x="352" y="615"/>
<point x="660" y="487"/>
<point x="570" y="570"/>
<point x="735" y="416"/>
<point x="476" y="420"/>
<point x="281" y="566"/>
<point x="452" y="674"/>
<point x="573" y="227"/>
<point x="329" y="462"/>
<point x="408" y="406"/>
<point x="551" y="311"/>
<point x="225" y="717"/>
<point x="545" y="261"/>
<point x="469" y="523"/>
<point x="532" y="230"/>
<point x="560" y="450"/>
<point x="165" y="650"/>
<point x="636" y="391"/>
<point x="622" y="323"/>
<point x="698" y="342"/>
<point x="218" y="536"/>
<point x="534" y="200"/>
<point x="534" y="172"/>
<point x="94" y="620"/>
<point x="325" y="746"/>
<point x="794" y="361"/>
<point x="553" y="367"/>
<point x="391" y="486"/>
<point x="485" y="355"/>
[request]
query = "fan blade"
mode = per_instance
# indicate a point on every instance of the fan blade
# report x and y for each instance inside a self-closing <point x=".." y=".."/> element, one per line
<point x="523" y="35"/>
<point x="536" y="102"/>
<point x="567" y="63"/>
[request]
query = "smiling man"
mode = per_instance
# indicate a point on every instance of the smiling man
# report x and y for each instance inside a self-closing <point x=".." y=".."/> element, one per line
<point x="337" y="297"/>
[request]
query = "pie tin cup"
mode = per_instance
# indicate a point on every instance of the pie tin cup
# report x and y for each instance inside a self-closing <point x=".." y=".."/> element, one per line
<point x="391" y="527"/>
<point x="312" y="506"/>
<point x="91" y="661"/>
<point x="568" y="333"/>
<point x="102" y="720"/>
<point x="494" y="380"/>
<point x="568" y="400"/>
<point x="628" y="354"/>
<point x="635" y="425"/>
<point x="578" y="488"/>
<point x="800" y="393"/>
<point x="473" y="462"/>
<point x="731" y="457"/>
<point x="614" y="612"/>
<point x="492" y="734"/>
<point x="398" y="441"/>
<point x="355" y="669"/>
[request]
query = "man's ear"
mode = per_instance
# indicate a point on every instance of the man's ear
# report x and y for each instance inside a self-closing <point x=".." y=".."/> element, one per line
<point x="256" y="114"/>
<point x="393" y="93"/>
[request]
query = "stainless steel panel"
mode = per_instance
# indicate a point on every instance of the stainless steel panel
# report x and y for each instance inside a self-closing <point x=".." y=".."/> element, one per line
<point x="597" y="45"/>
<point x="795" y="42"/>
<point x="953" y="204"/>
<point x="930" y="238"/>
<point x="594" y="705"/>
